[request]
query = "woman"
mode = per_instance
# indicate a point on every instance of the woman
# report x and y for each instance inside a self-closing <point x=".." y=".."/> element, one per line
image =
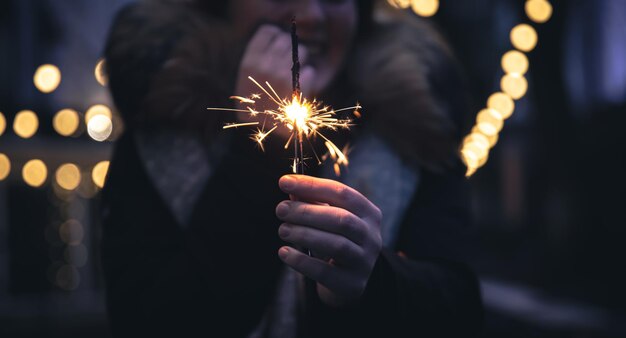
<point x="190" y="243"/>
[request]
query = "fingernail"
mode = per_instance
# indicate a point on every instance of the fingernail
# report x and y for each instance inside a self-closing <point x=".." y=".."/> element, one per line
<point x="282" y="209"/>
<point x="283" y="252"/>
<point x="287" y="182"/>
<point x="283" y="231"/>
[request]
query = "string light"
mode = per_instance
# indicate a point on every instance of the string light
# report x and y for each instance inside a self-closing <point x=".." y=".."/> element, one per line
<point x="71" y="232"/>
<point x="47" y="78"/>
<point x="35" y="173"/>
<point x="524" y="37"/>
<point x="100" y="127"/>
<point x="68" y="176"/>
<point x="99" y="173"/>
<point x="25" y="124"/>
<point x="515" y="62"/>
<point x="425" y="8"/>
<point x="3" y="124"/>
<point x="514" y="85"/>
<point x="66" y="122"/>
<point x="5" y="166"/>
<point x="98" y="109"/>
<point x="100" y="74"/>
<point x="538" y="11"/>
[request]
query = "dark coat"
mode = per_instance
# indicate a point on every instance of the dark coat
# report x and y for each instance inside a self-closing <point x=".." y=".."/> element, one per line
<point x="217" y="276"/>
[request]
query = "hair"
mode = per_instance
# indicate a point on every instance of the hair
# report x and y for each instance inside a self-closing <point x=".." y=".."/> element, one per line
<point x="220" y="9"/>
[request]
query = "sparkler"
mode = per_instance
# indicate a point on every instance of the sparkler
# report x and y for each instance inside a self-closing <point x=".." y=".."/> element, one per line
<point x="305" y="119"/>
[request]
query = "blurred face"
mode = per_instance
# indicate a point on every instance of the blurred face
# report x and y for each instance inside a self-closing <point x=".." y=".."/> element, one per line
<point x="325" y="27"/>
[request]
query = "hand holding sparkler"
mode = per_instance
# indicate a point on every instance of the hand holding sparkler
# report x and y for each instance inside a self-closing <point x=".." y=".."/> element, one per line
<point x="340" y="226"/>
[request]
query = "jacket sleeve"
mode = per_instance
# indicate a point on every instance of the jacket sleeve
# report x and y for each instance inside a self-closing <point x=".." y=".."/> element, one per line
<point x="422" y="289"/>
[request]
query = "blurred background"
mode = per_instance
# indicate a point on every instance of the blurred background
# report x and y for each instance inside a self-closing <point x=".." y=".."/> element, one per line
<point x="548" y="197"/>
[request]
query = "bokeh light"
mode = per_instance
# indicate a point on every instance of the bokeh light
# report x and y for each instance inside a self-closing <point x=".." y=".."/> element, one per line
<point x="25" y="124"/>
<point x="47" y="78"/>
<point x="3" y="124"/>
<point x="524" y="37"/>
<point x="100" y="74"/>
<point x="66" y="122"/>
<point x="99" y="173"/>
<point x="425" y="8"/>
<point x="515" y="62"/>
<point x="71" y="232"/>
<point x="100" y="127"/>
<point x="95" y="110"/>
<point x="5" y="166"/>
<point x="490" y="116"/>
<point x="35" y="173"/>
<point x="538" y="11"/>
<point x="67" y="277"/>
<point x="515" y="85"/>
<point x="502" y="103"/>
<point x="68" y="176"/>
<point x="400" y="3"/>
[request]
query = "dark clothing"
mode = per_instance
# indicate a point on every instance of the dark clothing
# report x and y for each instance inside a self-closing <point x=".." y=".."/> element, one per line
<point x="217" y="275"/>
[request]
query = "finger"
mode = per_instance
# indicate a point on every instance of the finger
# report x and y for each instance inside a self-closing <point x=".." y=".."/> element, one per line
<point x="325" y="244"/>
<point x="328" y="275"/>
<point x="264" y="37"/>
<point x="323" y="217"/>
<point x="332" y="192"/>
<point x="307" y="79"/>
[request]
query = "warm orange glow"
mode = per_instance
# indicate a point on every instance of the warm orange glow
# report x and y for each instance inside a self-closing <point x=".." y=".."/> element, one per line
<point x="25" y="124"/>
<point x="538" y="11"/>
<point x="66" y="122"/>
<point x="98" y="109"/>
<point x="3" y="124"/>
<point x="425" y="8"/>
<point x="515" y="85"/>
<point x="68" y="176"/>
<point x="515" y="62"/>
<point x="401" y="4"/>
<point x="35" y="173"/>
<point x="100" y="127"/>
<point x="303" y="117"/>
<point x="100" y="74"/>
<point x="524" y="37"/>
<point x="491" y="117"/>
<point x="47" y="78"/>
<point x="502" y="103"/>
<point x="5" y="166"/>
<point x="99" y="173"/>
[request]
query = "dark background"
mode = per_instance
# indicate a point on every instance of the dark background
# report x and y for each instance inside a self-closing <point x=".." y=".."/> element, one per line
<point x="549" y="204"/>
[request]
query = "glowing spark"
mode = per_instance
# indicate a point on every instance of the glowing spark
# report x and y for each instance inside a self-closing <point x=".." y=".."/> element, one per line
<point x="308" y="118"/>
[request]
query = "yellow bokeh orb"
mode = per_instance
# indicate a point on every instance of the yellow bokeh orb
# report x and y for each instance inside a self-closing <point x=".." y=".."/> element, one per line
<point x="98" y="109"/>
<point x="515" y="62"/>
<point x="34" y="173"/>
<point x="502" y="103"/>
<point x="66" y="122"/>
<point x="99" y="173"/>
<point x="538" y="11"/>
<point x="25" y="124"/>
<point x="514" y="85"/>
<point x="68" y="176"/>
<point x="100" y="74"/>
<point x="425" y="8"/>
<point x="524" y="37"/>
<point x="100" y="128"/>
<point x="491" y="117"/>
<point x="400" y="3"/>
<point x="47" y="78"/>
<point x="493" y="138"/>
<point x="5" y="166"/>
<point x="477" y="138"/>
<point x="3" y="124"/>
